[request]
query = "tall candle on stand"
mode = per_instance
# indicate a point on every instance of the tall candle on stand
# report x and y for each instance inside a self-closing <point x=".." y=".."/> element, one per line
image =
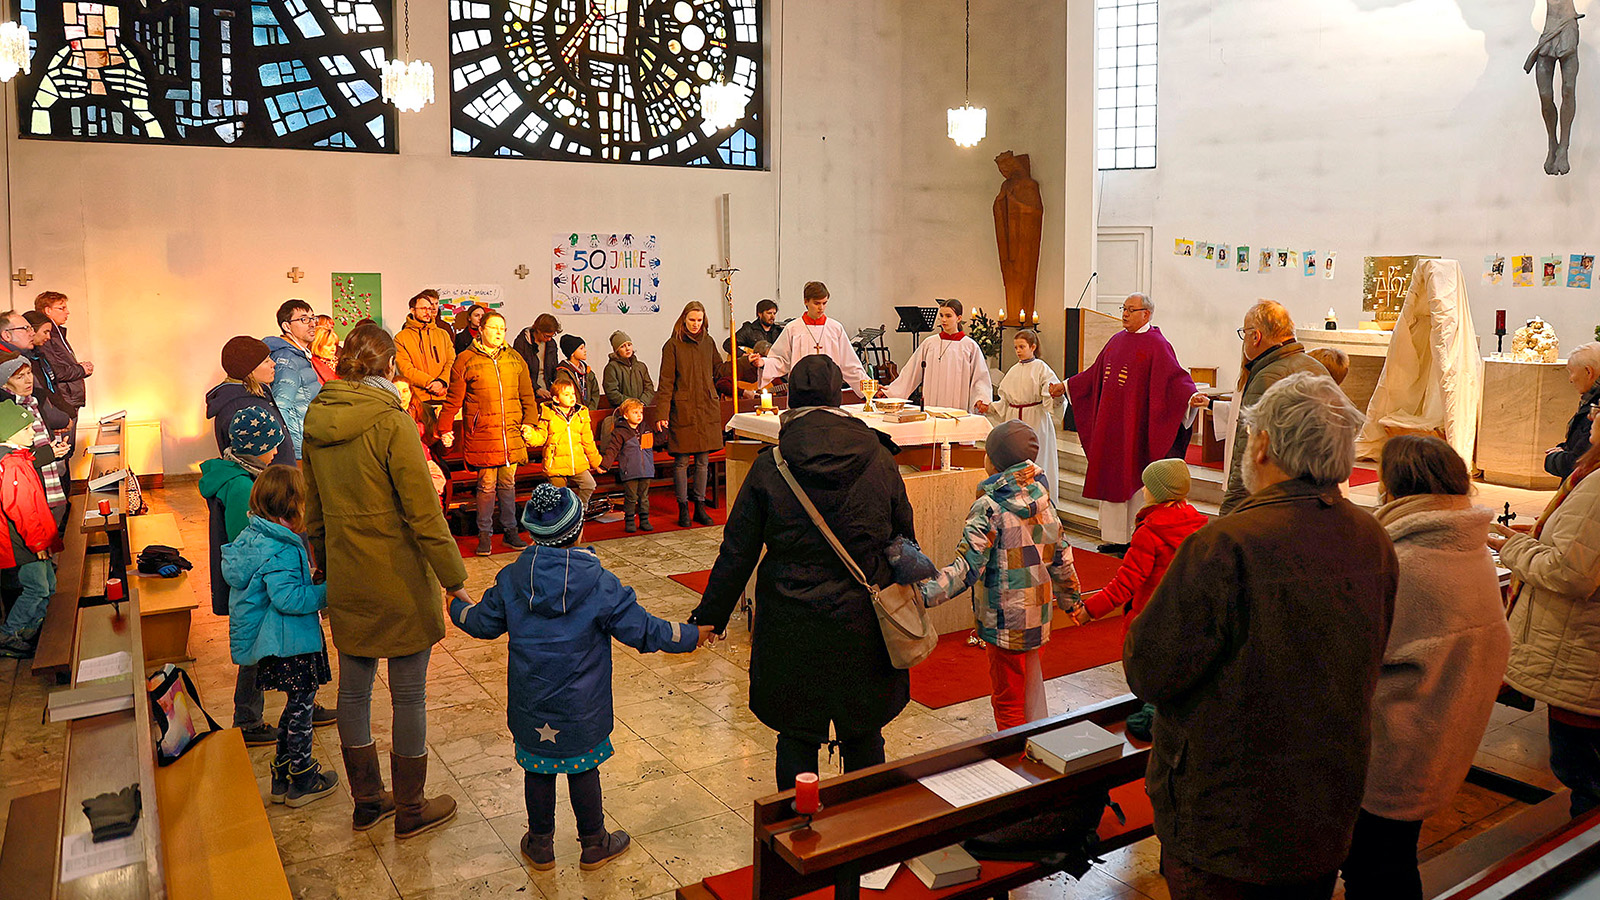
<point x="766" y="399"/>
<point x="806" y="798"/>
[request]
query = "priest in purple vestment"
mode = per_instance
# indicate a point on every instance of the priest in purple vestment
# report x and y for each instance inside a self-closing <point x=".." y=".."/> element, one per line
<point x="1133" y="406"/>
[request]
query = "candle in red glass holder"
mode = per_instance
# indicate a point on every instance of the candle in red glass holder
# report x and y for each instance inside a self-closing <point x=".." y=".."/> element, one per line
<point x="1499" y="321"/>
<point x="105" y="507"/>
<point x="806" y="801"/>
<point x="113" y="589"/>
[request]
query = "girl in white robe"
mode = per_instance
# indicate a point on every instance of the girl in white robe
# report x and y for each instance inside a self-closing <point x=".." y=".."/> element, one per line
<point x="957" y="375"/>
<point x="1030" y="391"/>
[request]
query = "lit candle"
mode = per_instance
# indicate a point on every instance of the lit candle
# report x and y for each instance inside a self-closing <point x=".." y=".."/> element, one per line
<point x="806" y="799"/>
<point x="766" y="399"/>
<point x="1002" y="313"/>
<point x="105" y="507"/>
<point x="1036" y="317"/>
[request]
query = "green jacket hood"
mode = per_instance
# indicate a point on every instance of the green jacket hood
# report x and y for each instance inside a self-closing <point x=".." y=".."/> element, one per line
<point x="344" y="410"/>
<point x="216" y="473"/>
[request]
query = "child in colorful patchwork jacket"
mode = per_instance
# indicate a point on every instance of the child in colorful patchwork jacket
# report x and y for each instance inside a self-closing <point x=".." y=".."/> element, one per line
<point x="1015" y="558"/>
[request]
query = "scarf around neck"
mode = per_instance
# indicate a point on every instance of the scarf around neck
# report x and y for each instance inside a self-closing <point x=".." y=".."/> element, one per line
<point x="806" y="318"/>
<point x="952" y="337"/>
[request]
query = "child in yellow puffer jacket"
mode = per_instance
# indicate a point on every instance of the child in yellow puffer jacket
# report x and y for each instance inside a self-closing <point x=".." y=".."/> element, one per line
<point x="570" y="456"/>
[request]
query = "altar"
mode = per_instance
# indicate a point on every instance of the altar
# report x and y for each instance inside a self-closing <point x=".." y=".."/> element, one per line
<point x="1368" y="350"/>
<point x="939" y="497"/>
<point x="1525" y="410"/>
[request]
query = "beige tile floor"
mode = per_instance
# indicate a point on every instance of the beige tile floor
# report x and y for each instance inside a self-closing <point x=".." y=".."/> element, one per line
<point x="690" y="758"/>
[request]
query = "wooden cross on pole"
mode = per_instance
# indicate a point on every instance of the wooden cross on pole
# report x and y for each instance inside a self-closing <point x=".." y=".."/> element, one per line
<point x="724" y="274"/>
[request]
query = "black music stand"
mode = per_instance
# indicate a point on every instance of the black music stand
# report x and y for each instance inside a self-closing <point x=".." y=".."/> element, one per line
<point x="914" y="320"/>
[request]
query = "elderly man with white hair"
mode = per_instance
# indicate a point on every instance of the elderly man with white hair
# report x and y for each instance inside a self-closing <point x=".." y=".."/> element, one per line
<point x="1583" y="371"/>
<point x="1261" y="650"/>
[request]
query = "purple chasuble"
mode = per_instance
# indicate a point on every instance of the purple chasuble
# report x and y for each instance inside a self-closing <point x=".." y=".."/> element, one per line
<point x="1128" y="407"/>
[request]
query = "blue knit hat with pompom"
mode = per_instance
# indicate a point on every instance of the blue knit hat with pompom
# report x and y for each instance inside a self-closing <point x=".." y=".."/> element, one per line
<point x="553" y="516"/>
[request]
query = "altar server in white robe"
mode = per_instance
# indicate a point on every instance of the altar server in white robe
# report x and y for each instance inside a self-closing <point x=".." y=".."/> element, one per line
<point x="956" y="374"/>
<point x="1032" y="392"/>
<point x="811" y="334"/>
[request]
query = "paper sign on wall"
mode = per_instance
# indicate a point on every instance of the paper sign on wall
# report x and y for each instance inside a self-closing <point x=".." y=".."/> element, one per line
<point x="615" y="274"/>
<point x="356" y="296"/>
<point x="455" y="297"/>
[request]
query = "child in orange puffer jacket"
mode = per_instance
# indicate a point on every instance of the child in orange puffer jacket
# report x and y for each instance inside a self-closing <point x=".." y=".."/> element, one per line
<point x="1166" y="520"/>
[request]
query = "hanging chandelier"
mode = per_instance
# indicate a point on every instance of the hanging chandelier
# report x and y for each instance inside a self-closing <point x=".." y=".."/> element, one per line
<point x="968" y="124"/>
<point x="408" y="84"/>
<point x="722" y="104"/>
<point x="13" y="50"/>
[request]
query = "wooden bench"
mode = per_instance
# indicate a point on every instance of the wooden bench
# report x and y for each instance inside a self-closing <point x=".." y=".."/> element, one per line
<point x="882" y="815"/>
<point x="215" y="839"/>
<point x="29" y="851"/>
<point x="58" y="635"/>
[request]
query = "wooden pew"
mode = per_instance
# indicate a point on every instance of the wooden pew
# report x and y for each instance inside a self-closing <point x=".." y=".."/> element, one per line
<point x="28" y="851"/>
<point x="881" y="815"/>
<point x="58" y="635"/>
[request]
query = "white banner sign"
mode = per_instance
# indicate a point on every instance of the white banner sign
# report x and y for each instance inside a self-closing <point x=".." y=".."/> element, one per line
<point x="615" y="274"/>
<point x="456" y="297"/>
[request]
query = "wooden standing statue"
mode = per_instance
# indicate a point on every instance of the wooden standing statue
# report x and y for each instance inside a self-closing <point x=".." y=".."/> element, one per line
<point x="1558" y="44"/>
<point x="1018" y="229"/>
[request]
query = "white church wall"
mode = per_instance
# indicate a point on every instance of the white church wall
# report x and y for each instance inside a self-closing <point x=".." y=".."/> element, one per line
<point x="1366" y="127"/>
<point x="168" y="251"/>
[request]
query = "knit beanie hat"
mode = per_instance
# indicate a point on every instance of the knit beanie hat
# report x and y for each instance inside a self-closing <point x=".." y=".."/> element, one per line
<point x="254" y="432"/>
<point x="9" y="364"/>
<point x="1167" y="479"/>
<point x="13" y="419"/>
<point x="553" y="516"/>
<point x="618" y="338"/>
<point x="570" y="344"/>
<point x="1011" y="442"/>
<point x="815" y="381"/>
<point x="242" y="354"/>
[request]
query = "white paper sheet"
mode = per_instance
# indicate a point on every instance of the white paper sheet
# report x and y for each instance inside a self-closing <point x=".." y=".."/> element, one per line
<point x="108" y="666"/>
<point x="104" y="448"/>
<point x="970" y="784"/>
<point x="81" y="856"/>
<point x="879" y="880"/>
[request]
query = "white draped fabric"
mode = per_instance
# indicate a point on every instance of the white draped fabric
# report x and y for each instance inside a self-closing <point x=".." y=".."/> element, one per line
<point x="957" y="376"/>
<point x="1432" y="380"/>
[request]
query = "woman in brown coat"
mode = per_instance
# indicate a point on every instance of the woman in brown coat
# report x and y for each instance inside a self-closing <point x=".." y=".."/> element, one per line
<point x="688" y="409"/>
<point x="374" y="521"/>
<point x="491" y="382"/>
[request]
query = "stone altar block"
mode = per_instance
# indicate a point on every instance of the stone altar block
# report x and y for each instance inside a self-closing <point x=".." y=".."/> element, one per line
<point x="1368" y="350"/>
<point x="1525" y="411"/>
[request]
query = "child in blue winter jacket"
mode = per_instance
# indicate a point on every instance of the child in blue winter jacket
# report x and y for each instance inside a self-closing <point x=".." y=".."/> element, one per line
<point x="562" y="608"/>
<point x="273" y="625"/>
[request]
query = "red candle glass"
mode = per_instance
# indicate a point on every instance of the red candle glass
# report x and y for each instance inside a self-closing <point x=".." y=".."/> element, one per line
<point x="806" y="799"/>
<point x="1499" y="321"/>
<point x="113" y="589"/>
<point x="105" y="507"/>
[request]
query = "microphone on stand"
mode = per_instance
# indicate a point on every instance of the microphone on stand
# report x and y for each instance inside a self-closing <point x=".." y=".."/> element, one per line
<point x="924" y="383"/>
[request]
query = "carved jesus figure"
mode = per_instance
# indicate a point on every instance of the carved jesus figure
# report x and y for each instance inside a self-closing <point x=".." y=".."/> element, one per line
<point x="1018" y="228"/>
<point x="1558" y="44"/>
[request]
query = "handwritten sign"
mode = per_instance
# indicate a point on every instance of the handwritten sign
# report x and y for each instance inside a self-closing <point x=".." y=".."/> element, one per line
<point x="613" y="274"/>
<point x="454" y="298"/>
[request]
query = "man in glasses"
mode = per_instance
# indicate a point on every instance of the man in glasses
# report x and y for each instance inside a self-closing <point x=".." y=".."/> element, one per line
<point x="1131" y="407"/>
<point x="424" y="352"/>
<point x="296" y="381"/>
<point x="1271" y="354"/>
<point x="1583" y="371"/>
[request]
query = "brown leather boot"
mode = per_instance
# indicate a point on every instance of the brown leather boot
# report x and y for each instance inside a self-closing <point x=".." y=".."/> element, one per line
<point x="373" y="803"/>
<point x="414" y="813"/>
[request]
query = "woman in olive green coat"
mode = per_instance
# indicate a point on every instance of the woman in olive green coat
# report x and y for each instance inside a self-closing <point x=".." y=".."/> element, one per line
<point x="377" y="530"/>
<point x="687" y="406"/>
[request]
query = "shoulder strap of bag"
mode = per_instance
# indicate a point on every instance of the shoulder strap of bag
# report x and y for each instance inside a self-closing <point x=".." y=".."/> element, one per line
<point x="816" y="518"/>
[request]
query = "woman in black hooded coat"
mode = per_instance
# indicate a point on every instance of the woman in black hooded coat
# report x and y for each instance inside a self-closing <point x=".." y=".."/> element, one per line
<point x="817" y="655"/>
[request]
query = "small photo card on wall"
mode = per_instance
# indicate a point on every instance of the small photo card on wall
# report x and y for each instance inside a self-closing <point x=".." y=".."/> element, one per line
<point x="1242" y="255"/>
<point x="1308" y="262"/>
<point x="1266" y="258"/>
<point x="1580" y="271"/>
<point x="1550" y="267"/>
<point x="1522" y="271"/>
<point x="614" y="274"/>
<point x="1183" y="247"/>
<point x="1224" y="256"/>
<point x="1494" y="268"/>
<point x="1328" y="261"/>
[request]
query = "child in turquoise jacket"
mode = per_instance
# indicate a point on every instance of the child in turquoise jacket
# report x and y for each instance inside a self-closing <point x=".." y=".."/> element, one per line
<point x="273" y="625"/>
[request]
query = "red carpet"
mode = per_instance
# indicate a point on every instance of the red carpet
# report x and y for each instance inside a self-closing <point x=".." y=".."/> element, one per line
<point x="694" y="581"/>
<point x="663" y="515"/>
<point x="1359" y="476"/>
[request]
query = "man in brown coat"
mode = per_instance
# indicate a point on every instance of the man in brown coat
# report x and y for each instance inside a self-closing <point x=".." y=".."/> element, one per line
<point x="423" y="350"/>
<point x="1261" y="651"/>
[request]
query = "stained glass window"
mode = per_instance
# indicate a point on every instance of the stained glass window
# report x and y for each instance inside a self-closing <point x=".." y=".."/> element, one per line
<point x="604" y="80"/>
<point x="249" y="73"/>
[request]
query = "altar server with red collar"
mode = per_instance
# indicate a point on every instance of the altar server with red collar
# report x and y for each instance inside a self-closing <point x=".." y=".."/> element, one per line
<point x="811" y="334"/>
<point x="949" y="367"/>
